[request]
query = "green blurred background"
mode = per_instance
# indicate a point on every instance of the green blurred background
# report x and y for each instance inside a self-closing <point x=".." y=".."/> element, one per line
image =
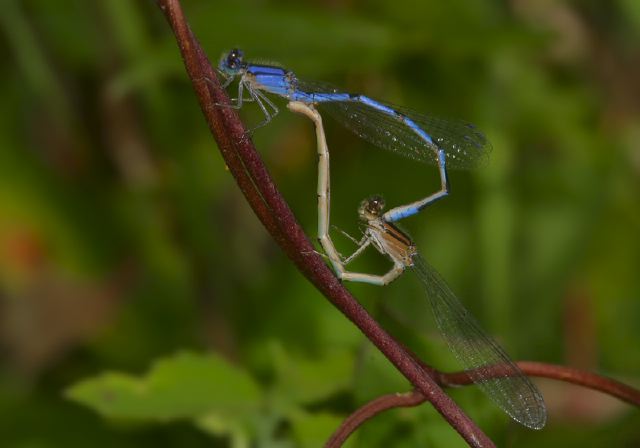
<point x="126" y="247"/>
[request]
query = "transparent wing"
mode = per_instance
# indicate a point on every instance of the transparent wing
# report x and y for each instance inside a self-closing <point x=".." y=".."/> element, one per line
<point x="465" y="146"/>
<point x="480" y="355"/>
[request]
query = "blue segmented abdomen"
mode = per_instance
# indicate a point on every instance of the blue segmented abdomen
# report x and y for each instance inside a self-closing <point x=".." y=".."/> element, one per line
<point x="397" y="129"/>
<point x="400" y="130"/>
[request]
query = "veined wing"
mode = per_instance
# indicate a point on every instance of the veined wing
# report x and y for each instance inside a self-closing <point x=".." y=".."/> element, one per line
<point x="485" y="361"/>
<point x="465" y="146"/>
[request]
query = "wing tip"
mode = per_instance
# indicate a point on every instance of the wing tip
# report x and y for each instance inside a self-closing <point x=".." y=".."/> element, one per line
<point x="533" y="416"/>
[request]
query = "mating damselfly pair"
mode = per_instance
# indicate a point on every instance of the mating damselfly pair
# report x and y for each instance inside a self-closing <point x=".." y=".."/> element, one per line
<point x="420" y="137"/>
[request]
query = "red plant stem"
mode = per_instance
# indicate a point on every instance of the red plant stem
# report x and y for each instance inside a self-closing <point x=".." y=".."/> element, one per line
<point x="251" y="175"/>
<point x="454" y="379"/>
<point x="370" y="410"/>
<point x="590" y="380"/>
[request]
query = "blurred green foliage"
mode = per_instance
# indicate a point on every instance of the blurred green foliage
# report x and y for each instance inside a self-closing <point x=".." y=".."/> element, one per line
<point x="126" y="247"/>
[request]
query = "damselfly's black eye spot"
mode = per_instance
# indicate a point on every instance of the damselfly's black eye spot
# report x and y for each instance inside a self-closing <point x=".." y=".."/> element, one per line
<point x="234" y="59"/>
<point x="371" y="207"/>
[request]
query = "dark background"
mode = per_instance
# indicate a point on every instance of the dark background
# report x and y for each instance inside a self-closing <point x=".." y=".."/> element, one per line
<point x="124" y="241"/>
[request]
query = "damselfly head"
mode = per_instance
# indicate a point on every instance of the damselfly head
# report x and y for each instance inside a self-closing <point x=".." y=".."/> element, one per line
<point x="371" y="208"/>
<point x="232" y="63"/>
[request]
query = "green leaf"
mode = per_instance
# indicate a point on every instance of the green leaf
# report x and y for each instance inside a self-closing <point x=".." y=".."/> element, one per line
<point x="307" y="380"/>
<point x="220" y="425"/>
<point x="182" y="386"/>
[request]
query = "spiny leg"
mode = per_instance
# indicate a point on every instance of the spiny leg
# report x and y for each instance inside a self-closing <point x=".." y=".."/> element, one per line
<point x="239" y="100"/>
<point x="261" y="98"/>
<point x="354" y="240"/>
<point x="227" y="80"/>
<point x="362" y="245"/>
